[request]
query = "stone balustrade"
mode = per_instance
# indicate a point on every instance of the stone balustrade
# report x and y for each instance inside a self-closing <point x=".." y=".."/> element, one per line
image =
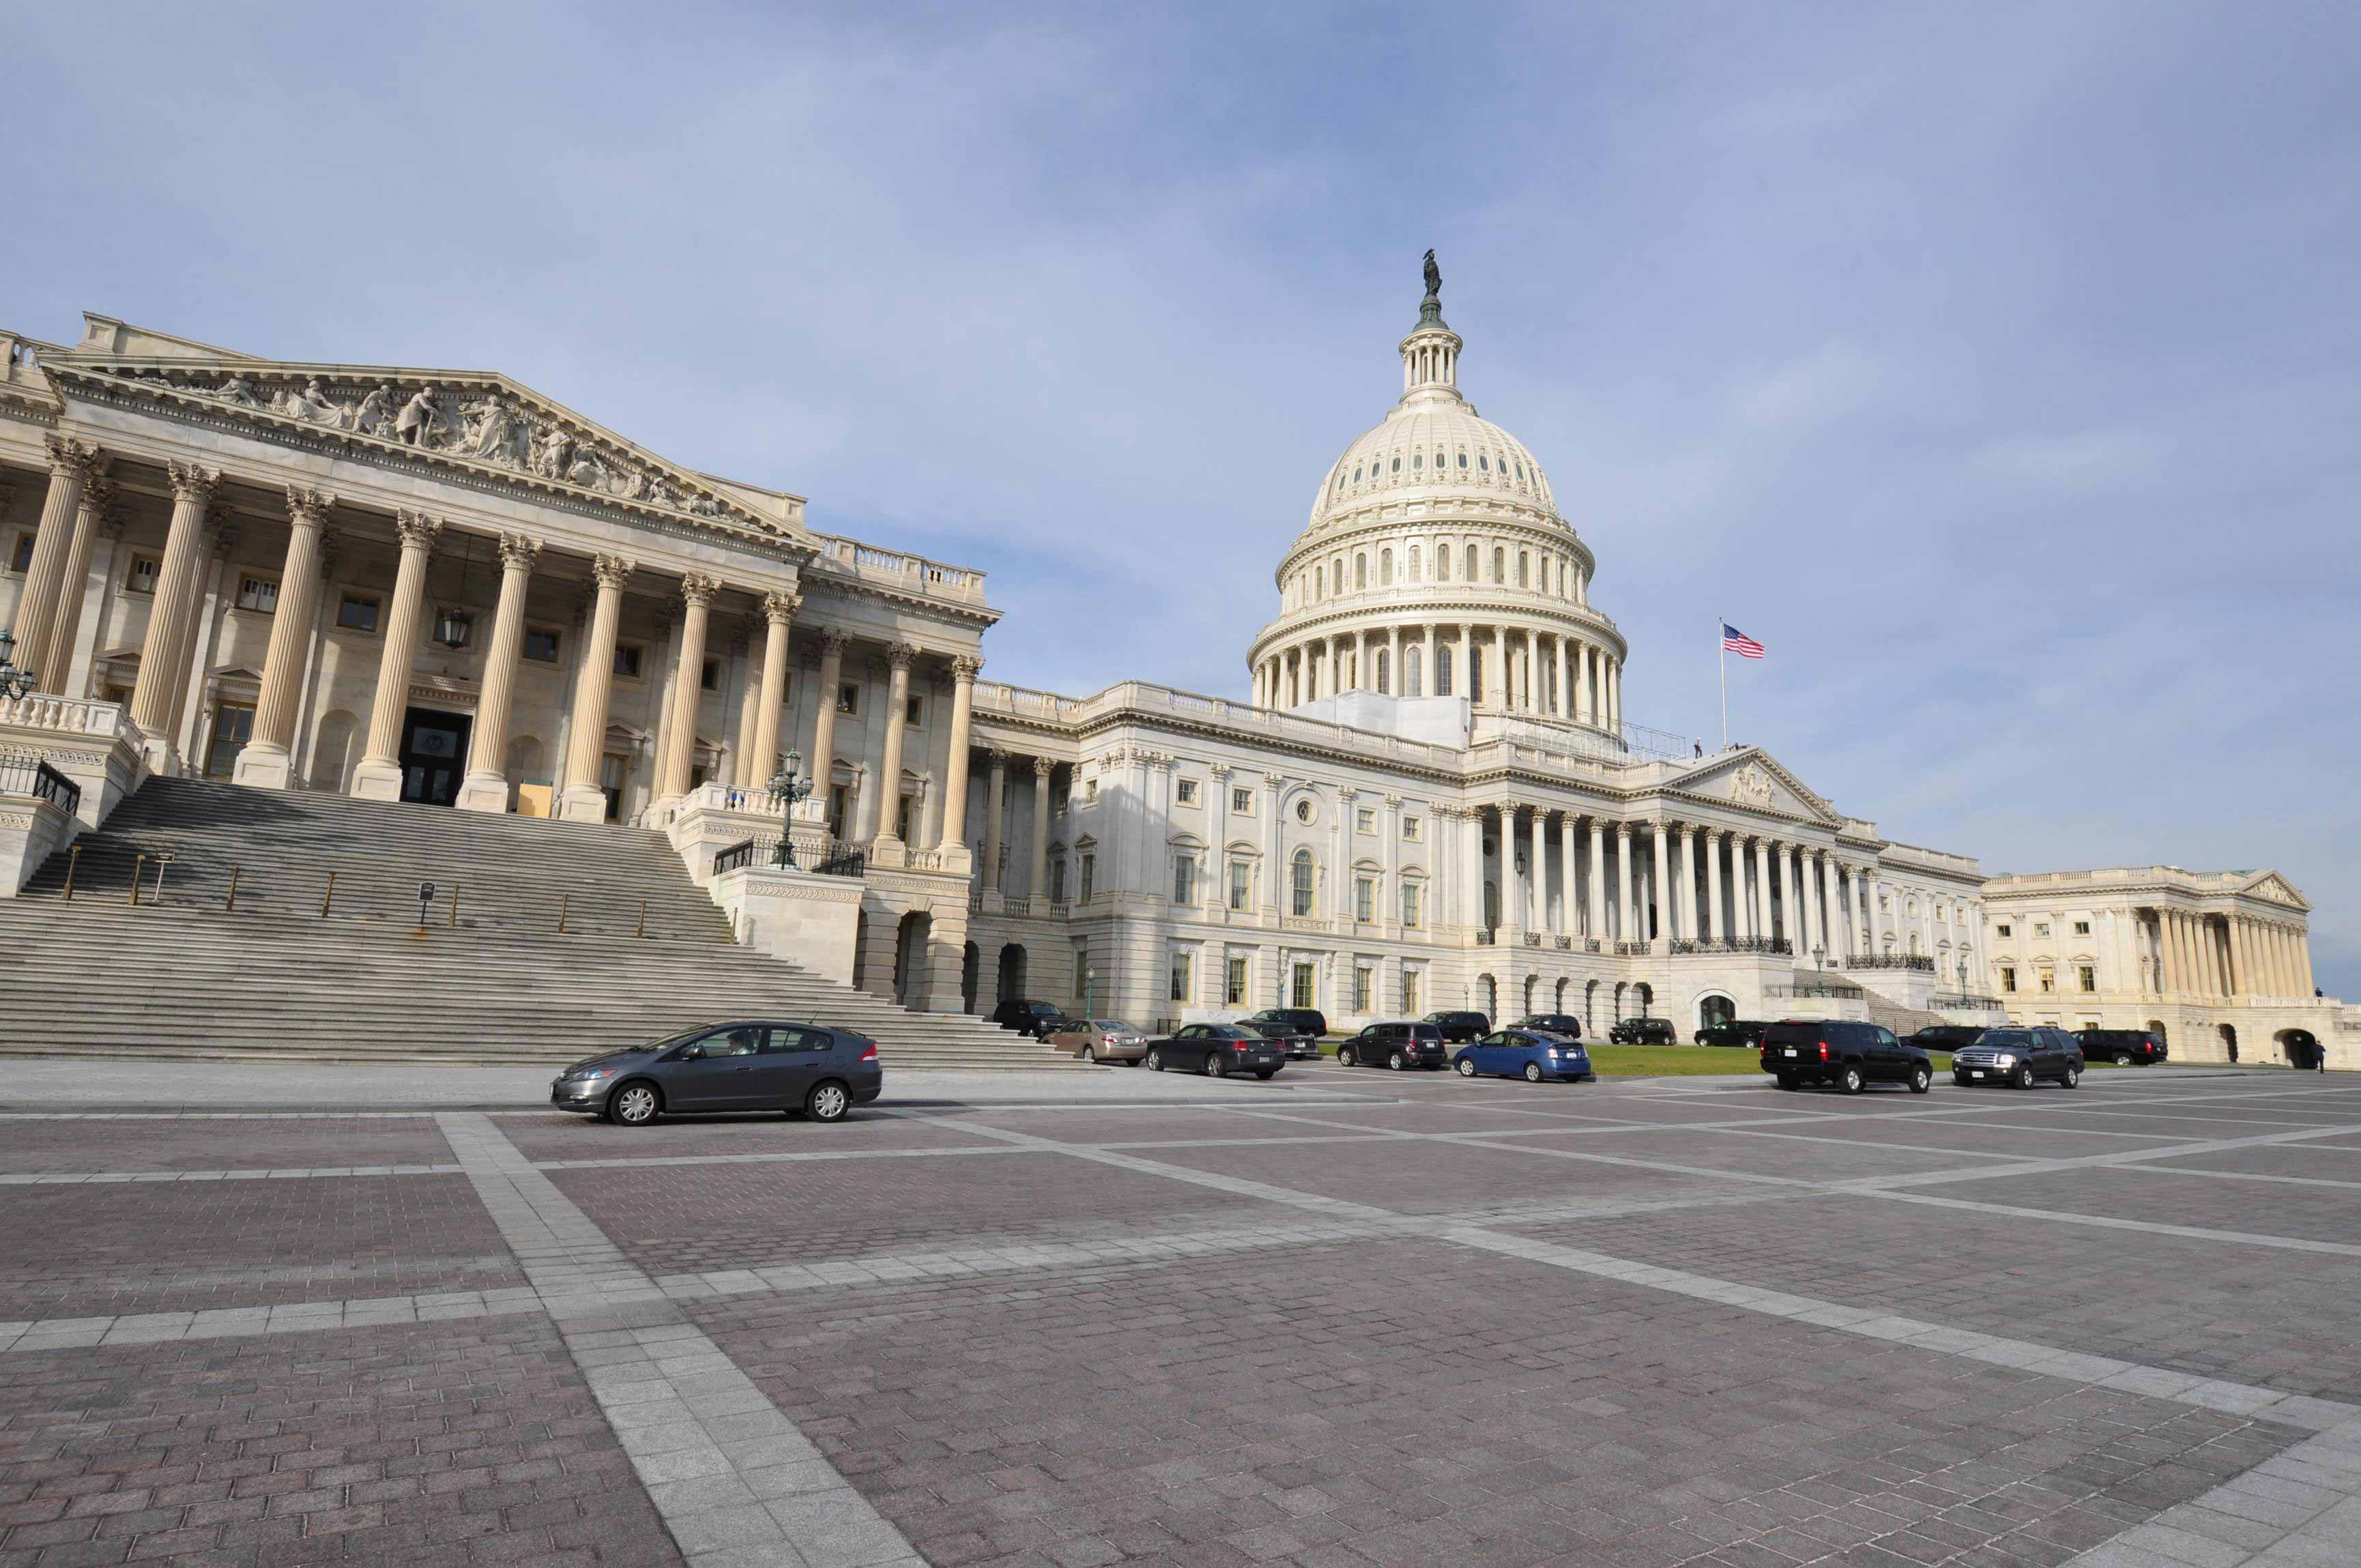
<point x="913" y="574"/>
<point x="68" y="716"/>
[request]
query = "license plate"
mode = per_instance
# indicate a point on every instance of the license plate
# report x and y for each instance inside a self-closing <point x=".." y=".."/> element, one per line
<point x="1975" y="1072"/>
<point x="1791" y="1050"/>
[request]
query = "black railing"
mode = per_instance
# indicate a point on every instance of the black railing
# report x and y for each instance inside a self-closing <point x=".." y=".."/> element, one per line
<point x="1630" y="950"/>
<point x="841" y="860"/>
<point x="1484" y="938"/>
<point x="735" y="856"/>
<point x="1923" y="961"/>
<point x="1839" y="988"/>
<point x="1971" y="1004"/>
<point x="1775" y="945"/>
<point x="23" y="774"/>
<point x="835" y="858"/>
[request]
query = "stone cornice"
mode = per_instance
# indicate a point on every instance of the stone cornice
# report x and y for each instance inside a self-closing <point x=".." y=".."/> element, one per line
<point x="976" y="615"/>
<point x="1514" y="610"/>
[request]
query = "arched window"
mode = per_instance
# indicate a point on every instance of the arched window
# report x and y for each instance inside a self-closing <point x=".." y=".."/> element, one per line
<point x="1300" y="895"/>
<point x="1336" y="573"/>
<point x="1475" y="675"/>
<point x="1442" y="561"/>
<point x="1397" y="465"/>
<point x="1385" y="569"/>
<point x="1360" y="571"/>
<point x="1441" y="671"/>
<point x="1471" y="563"/>
<point x="1413" y="563"/>
<point x="1418" y="460"/>
<point x="1524" y="566"/>
<point x="1500" y="562"/>
<point x="1319" y="582"/>
<point x="1409" y="679"/>
<point x="1463" y="460"/>
<point x="1483" y="463"/>
<point x="1356" y="474"/>
<point x="1385" y="671"/>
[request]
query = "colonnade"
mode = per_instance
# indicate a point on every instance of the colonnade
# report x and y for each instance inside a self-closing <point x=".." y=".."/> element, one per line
<point x="2201" y="954"/>
<point x="1523" y="669"/>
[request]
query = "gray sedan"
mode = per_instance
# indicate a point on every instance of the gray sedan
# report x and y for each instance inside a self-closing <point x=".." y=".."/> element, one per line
<point x="763" y="1065"/>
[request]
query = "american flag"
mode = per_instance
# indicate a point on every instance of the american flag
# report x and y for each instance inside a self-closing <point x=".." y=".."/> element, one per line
<point x="1736" y="641"/>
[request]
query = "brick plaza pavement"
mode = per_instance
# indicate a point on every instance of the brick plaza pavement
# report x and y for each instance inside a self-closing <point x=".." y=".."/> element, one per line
<point x="1345" y="1318"/>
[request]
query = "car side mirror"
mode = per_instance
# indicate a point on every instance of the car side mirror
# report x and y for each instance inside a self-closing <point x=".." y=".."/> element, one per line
<point x="690" y="1053"/>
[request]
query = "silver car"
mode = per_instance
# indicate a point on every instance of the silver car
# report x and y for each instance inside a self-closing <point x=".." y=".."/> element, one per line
<point x="1101" y="1039"/>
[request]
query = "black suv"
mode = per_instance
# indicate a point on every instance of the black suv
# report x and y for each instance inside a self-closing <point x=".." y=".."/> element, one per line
<point x="2124" y="1048"/>
<point x="1297" y="1030"/>
<point x="2019" y="1057"/>
<point x="1397" y="1046"/>
<point x="1564" y="1025"/>
<point x="1737" y="1031"/>
<point x="1039" y="1019"/>
<point x="1458" y="1028"/>
<point x="1643" y="1032"/>
<point x="1844" y="1054"/>
<point x="1946" y="1036"/>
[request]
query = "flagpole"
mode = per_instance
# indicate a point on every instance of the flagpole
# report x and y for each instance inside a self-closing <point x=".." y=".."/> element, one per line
<point x="1722" y="642"/>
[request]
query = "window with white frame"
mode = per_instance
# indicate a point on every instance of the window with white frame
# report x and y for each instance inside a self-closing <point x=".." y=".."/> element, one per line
<point x="141" y="577"/>
<point x="1233" y="982"/>
<point x="1412" y="828"/>
<point x="1185" y="792"/>
<point x="1184" y="878"/>
<point x="1089" y="875"/>
<point x="1413" y="984"/>
<point x="1364" y="899"/>
<point x="1241" y="885"/>
<point x="2088" y="975"/>
<point x="257" y="594"/>
<point x="1411" y="898"/>
<point x="1301" y="892"/>
<point x="1303" y="986"/>
<point x="1364" y="988"/>
<point x="1241" y="801"/>
<point x="1184" y="976"/>
<point x="1365" y="820"/>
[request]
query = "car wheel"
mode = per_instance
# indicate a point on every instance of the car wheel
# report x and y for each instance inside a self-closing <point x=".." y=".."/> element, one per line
<point x="2021" y="1079"/>
<point x="1090" y="1057"/>
<point x="828" y="1102"/>
<point x="2123" y="1058"/>
<point x="1851" y="1080"/>
<point x="1156" y="1061"/>
<point x="1921" y="1081"/>
<point x="1787" y="1080"/>
<point x="1131" y="1061"/>
<point x="1264" y="1073"/>
<point x="2073" y="1076"/>
<point x="1960" y="1079"/>
<point x="1533" y="1072"/>
<point x="634" y="1105"/>
<point x="1215" y="1067"/>
<point x="1466" y="1068"/>
<point x="1396" y="1061"/>
<point x="1347" y="1057"/>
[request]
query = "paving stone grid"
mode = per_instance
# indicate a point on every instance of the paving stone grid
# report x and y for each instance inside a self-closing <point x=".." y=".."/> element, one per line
<point x="1359" y="1319"/>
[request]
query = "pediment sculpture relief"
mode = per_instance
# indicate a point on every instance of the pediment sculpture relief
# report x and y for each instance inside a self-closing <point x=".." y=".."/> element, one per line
<point x="492" y="427"/>
<point x="1751" y="782"/>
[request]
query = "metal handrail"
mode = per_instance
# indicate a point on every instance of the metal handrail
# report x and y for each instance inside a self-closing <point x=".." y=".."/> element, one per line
<point x="21" y="773"/>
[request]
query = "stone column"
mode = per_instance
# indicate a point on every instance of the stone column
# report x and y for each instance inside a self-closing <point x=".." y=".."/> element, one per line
<point x="1395" y="684"/>
<point x="2167" y="957"/>
<point x="486" y="787"/>
<point x="585" y="798"/>
<point x="1039" y="886"/>
<point x="1807" y="884"/>
<point x="1532" y="672"/>
<point x="267" y="761"/>
<point x="687" y="689"/>
<point x="153" y="705"/>
<point x="1596" y="924"/>
<point x="1714" y="840"/>
<point x="898" y="657"/>
<point x="1685" y="905"/>
<point x="965" y="667"/>
<point x="1474" y="850"/>
<point x="73" y="465"/>
<point x="1763" y="927"/>
<point x="832" y="676"/>
<point x="779" y="613"/>
<point x="378" y="774"/>
<point x="2304" y="983"/>
<point x="1615" y="695"/>
<point x="1623" y="923"/>
<point x="1564" y="707"/>
<point x="1570" y="893"/>
<point x="742" y="766"/>
<point x="995" y="807"/>
<point x="1664" y="917"/>
<point x="66" y="626"/>
<point x="1513" y="878"/>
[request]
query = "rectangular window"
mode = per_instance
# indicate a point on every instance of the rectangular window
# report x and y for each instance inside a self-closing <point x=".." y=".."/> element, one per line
<point x="1524" y="566"/>
<point x="848" y="699"/>
<point x="1365" y="820"/>
<point x="708" y="676"/>
<point x="902" y="818"/>
<point x="628" y="659"/>
<point x="1187" y="792"/>
<point x="2081" y="928"/>
<point x="539" y="644"/>
<point x="837" y="801"/>
<point x="2041" y="928"/>
<point x="1412" y="984"/>
<point x="1304" y="991"/>
<point x="2002" y="928"/>
<point x="1413" y="827"/>
<point x="1057" y="880"/>
<point x="257" y="594"/>
<point x="1184" y="975"/>
<point x="1300" y="896"/>
<point x="1090" y="874"/>
<point x="1364" y="899"/>
<point x="21" y="552"/>
<point x="1241" y="885"/>
<point x="1089" y="791"/>
<point x="2008" y="979"/>
<point x="1242" y="802"/>
<point x="2089" y="975"/>
<point x="914" y="715"/>
<point x="1184" y="879"/>
<point x="1234" y="984"/>
<point x="1409" y="892"/>
<point x="1364" y="985"/>
<point x="2048" y="982"/>
<point x="356" y="613"/>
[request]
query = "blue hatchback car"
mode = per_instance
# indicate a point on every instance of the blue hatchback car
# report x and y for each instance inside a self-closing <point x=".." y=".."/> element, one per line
<point x="1527" y="1054"/>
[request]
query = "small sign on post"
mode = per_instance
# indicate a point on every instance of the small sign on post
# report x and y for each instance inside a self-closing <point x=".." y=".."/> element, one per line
<point x="425" y="897"/>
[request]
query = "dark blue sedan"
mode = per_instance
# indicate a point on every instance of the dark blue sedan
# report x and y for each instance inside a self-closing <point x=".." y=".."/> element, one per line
<point x="1527" y="1054"/>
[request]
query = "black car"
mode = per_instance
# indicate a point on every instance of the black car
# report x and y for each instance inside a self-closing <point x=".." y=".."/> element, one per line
<point x="1296" y="1029"/>
<point x="1737" y="1031"/>
<point x="1643" y="1032"/>
<point x="1039" y="1019"/>
<point x="2124" y="1048"/>
<point x="1397" y="1046"/>
<point x="1843" y="1055"/>
<point x="1946" y="1036"/>
<point x="756" y="1065"/>
<point x="1458" y="1028"/>
<point x="2019" y="1057"/>
<point x="1216" y="1050"/>
<point x="1563" y="1024"/>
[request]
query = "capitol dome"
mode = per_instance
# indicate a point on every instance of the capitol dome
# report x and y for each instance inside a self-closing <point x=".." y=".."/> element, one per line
<point x="1435" y="564"/>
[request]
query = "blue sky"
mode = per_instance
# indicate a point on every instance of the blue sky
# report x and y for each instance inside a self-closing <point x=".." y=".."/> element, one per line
<point x="1995" y="365"/>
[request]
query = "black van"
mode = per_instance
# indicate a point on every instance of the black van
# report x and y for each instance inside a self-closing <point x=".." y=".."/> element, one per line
<point x="2124" y="1048"/>
<point x="1842" y="1055"/>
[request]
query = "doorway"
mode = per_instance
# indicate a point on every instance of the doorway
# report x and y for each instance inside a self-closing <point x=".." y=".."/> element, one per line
<point x="434" y="755"/>
<point x="233" y="727"/>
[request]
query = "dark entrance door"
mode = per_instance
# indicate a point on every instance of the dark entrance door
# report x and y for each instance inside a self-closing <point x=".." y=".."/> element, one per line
<point x="434" y="755"/>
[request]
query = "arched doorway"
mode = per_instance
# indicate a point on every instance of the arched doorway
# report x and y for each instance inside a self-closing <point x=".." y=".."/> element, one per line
<point x="1487" y="997"/>
<point x="1621" y="987"/>
<point x="911" y="957"/>
<point x="2301" y="1047"/>
<point x="970" y="962"/>
<point x="1012" y="972"/>
<point x="1715" y="1009"/>
<point x="1532" y="982"/>
<point x="1560" y="1003"/>
<point x="1591" y="1004"/>
<point x="1647" y="995"/>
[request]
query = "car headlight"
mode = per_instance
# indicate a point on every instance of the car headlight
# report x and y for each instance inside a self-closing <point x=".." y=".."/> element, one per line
<point x="588" y="1075"/>
<point x="2003" y="1059"/>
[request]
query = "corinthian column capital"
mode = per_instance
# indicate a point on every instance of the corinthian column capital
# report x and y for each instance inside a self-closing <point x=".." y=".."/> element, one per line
<point x="965" y="667"/>
<point x="900" y="655"/>
<point x="612" y="570"/>
<point x="97" y="496"/>
<point x="416" y="529"/>
<point x="72" y="455"/>
<point x="1044" y="766"/>
<point x="192" y="482"/>
<point x="697" y="590"/>
<point x="780" y="607"/>
<point x="309" y="507"/>
<point x="518" y="551"/>
<point x="833" y="641"/>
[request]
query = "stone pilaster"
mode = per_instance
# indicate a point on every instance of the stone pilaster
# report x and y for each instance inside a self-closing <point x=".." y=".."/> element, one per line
<point x="378" y="774"/>
<point x="268" y="762"/>
<point x="585" y="798"/>
<point x="486" y="787"/>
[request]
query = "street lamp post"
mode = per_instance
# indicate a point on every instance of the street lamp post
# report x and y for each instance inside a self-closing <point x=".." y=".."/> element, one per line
<point x="1089" y="991"/>
<point x="13" y="682"/>
<point x="786" y="787"/>
<point x="1820" y="963"/>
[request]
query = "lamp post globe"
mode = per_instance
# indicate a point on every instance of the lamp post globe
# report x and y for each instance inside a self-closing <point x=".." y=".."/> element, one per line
<point x="787" y="786"/>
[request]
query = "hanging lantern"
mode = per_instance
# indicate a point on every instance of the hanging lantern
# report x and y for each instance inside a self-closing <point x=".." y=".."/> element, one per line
<point x="453" y="627"/>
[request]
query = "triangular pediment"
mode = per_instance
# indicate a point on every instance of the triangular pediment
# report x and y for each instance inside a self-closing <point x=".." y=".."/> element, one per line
<point x="2276" y="888"/>
<point x="1754" y="779"/>
<point x="468" y="419"/>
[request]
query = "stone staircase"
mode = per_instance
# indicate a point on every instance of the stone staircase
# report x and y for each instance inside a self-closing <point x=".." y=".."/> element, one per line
<point x="189" y="974"/>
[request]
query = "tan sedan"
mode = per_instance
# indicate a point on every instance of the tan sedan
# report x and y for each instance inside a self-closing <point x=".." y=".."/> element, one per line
<point x="1101" y="1039"/>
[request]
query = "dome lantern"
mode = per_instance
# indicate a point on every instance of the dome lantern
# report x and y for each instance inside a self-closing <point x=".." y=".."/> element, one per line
<point x="1431" y="353"/>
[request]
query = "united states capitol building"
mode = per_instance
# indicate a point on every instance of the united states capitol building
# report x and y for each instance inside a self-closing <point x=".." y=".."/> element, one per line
<point x="446" y="588"/>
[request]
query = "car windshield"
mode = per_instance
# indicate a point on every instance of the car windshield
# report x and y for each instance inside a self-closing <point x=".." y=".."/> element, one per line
<point x="671" y="1040"/>
<point x="1040" y="1009"/>
<point x="2006" y="1037"/>
<point x="1113" y="1026"/>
